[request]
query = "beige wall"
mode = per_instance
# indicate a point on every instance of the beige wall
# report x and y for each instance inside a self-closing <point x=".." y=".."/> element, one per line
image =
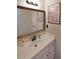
<point x="53" y="28"/>
<point x="40" y="4"/>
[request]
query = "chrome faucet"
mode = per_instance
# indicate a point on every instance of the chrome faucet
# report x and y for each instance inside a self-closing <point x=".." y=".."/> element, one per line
<point x="35" y="36"/>
<point x="39" y="36"/>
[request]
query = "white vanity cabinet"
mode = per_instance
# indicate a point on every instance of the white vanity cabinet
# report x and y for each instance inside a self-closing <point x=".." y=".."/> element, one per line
<point x="46" y="53"/>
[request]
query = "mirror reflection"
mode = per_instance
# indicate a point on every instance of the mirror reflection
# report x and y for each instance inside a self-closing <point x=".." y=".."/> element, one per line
<point x="29" y="21"/>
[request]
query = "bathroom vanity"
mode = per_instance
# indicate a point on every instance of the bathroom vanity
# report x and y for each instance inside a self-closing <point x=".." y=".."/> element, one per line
<point x="31" y="22"/>
<point x="42" y="48"/>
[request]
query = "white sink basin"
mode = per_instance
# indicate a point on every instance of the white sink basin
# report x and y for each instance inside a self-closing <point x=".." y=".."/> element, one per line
<point x="36" y="43"/>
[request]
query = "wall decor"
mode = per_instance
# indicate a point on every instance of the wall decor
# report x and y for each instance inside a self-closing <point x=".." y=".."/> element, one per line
<point x="54" y="13"/>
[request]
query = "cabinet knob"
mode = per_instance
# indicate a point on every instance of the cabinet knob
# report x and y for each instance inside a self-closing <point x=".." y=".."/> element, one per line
<point x="47" y="56"/>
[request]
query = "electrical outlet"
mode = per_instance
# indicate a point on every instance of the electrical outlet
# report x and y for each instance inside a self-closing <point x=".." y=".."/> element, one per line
<point x="46" y="26"/>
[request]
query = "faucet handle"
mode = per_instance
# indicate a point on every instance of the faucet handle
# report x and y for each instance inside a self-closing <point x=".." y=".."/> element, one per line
<point x="33" y="38"/>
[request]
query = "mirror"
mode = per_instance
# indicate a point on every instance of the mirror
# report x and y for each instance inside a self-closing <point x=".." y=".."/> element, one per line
<point x="29" y="21"/>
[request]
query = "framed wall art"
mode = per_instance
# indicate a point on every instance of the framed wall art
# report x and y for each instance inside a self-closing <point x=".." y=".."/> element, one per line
<point x="54" y="13"/>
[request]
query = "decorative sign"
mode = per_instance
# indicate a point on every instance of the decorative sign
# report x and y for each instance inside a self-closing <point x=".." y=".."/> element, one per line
<point x="54" y="13"/>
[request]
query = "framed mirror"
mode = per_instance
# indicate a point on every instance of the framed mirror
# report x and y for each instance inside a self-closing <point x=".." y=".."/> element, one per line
<point x="29" y="21"/>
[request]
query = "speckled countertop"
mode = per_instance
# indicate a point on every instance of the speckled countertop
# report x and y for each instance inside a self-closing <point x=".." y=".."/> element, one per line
<point x="28" y="50"/>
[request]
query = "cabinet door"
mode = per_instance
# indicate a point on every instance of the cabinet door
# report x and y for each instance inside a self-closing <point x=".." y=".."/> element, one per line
<point x="44" y="57"/>
<point x="41" y="55"/>
<point x="50" y="51"/>
<point x="46" y="53"/>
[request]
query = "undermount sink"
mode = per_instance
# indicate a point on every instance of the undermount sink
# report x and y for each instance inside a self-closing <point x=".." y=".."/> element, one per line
<point x="36" y="43"/>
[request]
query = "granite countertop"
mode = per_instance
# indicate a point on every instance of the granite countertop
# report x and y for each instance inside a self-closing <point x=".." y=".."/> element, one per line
<point x="29" y="50"/>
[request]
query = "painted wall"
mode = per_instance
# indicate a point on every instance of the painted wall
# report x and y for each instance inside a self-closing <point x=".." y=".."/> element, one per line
<point x="39" y="2"/>
<point x="53" y="28"/>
